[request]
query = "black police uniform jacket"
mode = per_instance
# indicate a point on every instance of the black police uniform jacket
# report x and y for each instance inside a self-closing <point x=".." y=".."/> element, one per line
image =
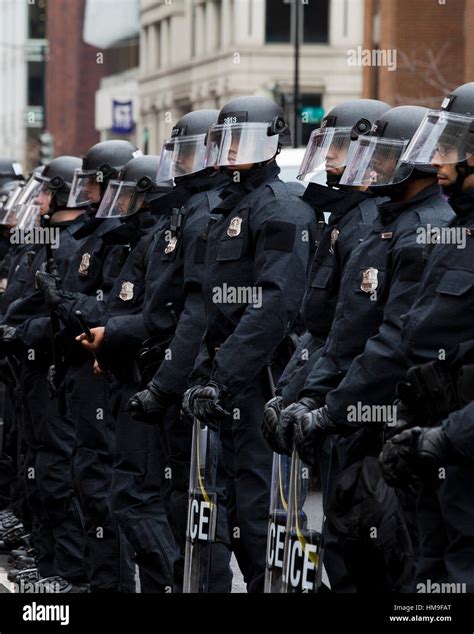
<point x="174" y="305"/>
<point x="362" y="359"/>
<point x="351" y="217"/>
<point x="147" y="274"/>
<point x="257" y="262"/>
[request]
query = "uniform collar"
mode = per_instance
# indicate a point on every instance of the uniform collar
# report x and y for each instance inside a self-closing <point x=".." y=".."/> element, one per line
<point x="249" y="182"/>
<point x="129" y="231"/>
<point x="203" y="182"/>
<point x="389" y="211"/>
<point x="337" y="202"/>
<point x="463" y="204"/>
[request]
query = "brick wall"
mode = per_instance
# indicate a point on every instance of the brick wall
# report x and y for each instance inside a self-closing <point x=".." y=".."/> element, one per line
<point x="72" y="78"/>
<point x="433" y="52"/>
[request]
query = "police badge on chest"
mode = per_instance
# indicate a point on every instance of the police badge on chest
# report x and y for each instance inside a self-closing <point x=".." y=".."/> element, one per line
<point x="370" y="280"/>
<point x="126" y="292"/>
<point x="235" y="227"/>
<point x="84" y="264"/>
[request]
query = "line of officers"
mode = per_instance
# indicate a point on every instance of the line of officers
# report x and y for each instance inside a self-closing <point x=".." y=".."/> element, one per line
<point x="166" y="297"/>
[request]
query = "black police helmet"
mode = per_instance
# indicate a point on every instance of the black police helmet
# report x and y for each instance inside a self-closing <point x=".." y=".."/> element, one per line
<point x="193" y="123"/>
<point x="109" y="157"/>
<point x="256" y="109"/>
<point x="58" y="176"/>
<point x="142" y="171"/>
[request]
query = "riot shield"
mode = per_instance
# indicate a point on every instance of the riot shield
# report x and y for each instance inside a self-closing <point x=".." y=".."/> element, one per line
<point x="303" y="554"/>
<point x="202" y="509"/>
<point x="277" y="520"/>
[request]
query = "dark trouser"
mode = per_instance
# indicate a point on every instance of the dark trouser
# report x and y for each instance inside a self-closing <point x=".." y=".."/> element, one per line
<point x="8" y="449"/>
<point x="19" y="504"/>
<point x="338" y="574"/>
<point x="248" y="465"/>
<point x="445" y="517"/>
<point x="175" y="438"/>
<point x="110" y="568"/>
<point x="137" y="494"/>
<point x="50" y="444"/>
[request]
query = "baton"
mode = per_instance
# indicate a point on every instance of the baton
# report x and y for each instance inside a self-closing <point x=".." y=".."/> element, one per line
<point x="85" y="328"/>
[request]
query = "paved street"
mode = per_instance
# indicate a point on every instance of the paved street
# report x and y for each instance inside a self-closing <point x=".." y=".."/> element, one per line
<point x="238" y="584"/>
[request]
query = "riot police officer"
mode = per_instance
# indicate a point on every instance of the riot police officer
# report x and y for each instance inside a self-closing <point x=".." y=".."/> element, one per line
<point x="361" y="358"/>
<point x="143" y="206"/>
<point x="257" y="261"/>
<point x="175" y="321"/>
<point x="91" y="275"/>
<point x="48" y="431"/>
<point x="439" y="320"/>
<point x="352" y="212"/>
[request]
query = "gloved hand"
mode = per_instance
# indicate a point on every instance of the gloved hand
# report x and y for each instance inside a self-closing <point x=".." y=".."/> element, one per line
<point x="403" y="420"/>
<point x="150" y="405"/>
<point x="209" y="404"/>
<point x="416" y="454"/>
<point x="270" y="424"/>
<point x="187" y="405"/>
<point x="8" y="334"/>
<point x="289" y="417"/>
<point x="309" y="431"/>
<point x="48" y="285"/>
<point x="51" y="382"/>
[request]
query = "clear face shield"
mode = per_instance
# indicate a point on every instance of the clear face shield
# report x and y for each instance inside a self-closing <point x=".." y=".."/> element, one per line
<point x="326" y="153"/>
<point x="7" y="213"/>
<point x="442" y="137"/>
<point x="121" y="199"/>
<point x="44" y="197"/>
<point x="28" y="194"/>
<point x="85" y="189"/>
<point x="240" y="144"/>
<point x="374" y="161"/>
<point x="181" y="156"/>
<point x="27" y="216"/>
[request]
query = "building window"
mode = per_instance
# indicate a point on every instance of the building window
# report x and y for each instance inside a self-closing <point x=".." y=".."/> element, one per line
<point x="277" y="21"/>
<point x="37" y="20"/>
<point x="35" y="83"/>
<point x="315" y="21"/>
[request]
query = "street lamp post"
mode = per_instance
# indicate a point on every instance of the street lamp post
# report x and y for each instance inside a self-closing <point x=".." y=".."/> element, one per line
<point x="296" y="22"/>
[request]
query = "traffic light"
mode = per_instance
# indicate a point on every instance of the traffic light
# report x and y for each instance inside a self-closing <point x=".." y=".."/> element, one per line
<point x="46" y="152"/>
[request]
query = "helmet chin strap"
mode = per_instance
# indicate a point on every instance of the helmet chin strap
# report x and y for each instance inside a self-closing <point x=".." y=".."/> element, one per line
<point x="332" y="180"/>
<point x="463" y="170"/>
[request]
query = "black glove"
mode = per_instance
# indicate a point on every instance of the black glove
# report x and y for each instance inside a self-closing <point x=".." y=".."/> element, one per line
<point x="150" y="405"/>
<point x="51" y="382"/>
<point x="187" y="405"/>
<point x="270" y="424"/>
<point x="416" y="454"/>
<point x="9" y="344"/>
<point x="309" y="431"/>
<point x="8" y="334"/>
<point x="289" y="417"/>
<point x="403" y="421"/>
<point x="48" y="285"/>
<point x="209" y="404"/>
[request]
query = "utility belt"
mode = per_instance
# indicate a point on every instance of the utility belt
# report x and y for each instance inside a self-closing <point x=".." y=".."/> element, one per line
<point x="438" y="388"/>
